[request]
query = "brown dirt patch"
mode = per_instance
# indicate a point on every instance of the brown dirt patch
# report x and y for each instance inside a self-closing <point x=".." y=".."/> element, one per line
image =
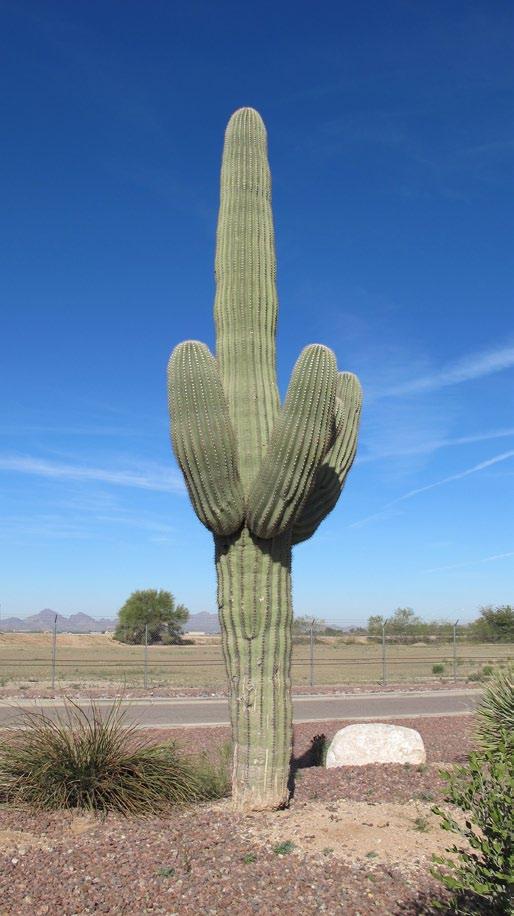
<point x="19" y="841"/>
<point x="404" y="835"/>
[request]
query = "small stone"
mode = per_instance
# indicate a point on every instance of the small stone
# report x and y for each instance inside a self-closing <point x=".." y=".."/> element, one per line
<point x="358" y="745"/>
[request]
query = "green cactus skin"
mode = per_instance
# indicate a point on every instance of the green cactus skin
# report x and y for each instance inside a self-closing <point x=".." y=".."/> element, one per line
<point x="260" y="477"/>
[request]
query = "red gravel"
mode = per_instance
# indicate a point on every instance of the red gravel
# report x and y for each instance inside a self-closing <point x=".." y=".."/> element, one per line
<point x="198" y="862"/>
<point x="208" y="860"/>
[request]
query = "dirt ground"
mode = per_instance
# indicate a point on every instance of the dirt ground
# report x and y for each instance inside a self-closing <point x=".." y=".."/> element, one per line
<point x="95" y="660"/>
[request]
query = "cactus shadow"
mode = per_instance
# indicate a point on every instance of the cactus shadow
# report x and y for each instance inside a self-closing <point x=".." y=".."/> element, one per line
<point x="314" y="756"/>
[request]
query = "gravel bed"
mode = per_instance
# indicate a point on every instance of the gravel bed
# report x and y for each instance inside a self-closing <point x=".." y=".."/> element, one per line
<point x="202" y="861"/>
<point x="110" y="691"/>
<point x="208" y="860"/>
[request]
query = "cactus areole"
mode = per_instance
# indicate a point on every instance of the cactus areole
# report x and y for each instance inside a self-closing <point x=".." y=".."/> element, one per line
<point x="260" y="476"/>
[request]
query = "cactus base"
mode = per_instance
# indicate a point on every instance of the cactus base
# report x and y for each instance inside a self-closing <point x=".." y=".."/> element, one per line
<point x="255" y="609"/>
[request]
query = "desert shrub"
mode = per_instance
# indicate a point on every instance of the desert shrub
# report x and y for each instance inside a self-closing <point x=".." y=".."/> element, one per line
<point x="438" y="668"/>
<point x="487" y="670"/>
<point x="481" y="879"/>
<point x="475" y="676"/>
<point x="495" y="713"/>
<point x="81" y="760"/>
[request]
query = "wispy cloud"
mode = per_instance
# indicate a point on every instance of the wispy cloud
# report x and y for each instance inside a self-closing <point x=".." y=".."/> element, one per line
<point x="434" y="445"/>
<point x="471" y="367"/>
<point x="504" y="456"/>
<point x="497" y="556"/>
<point x="159" y="479"/>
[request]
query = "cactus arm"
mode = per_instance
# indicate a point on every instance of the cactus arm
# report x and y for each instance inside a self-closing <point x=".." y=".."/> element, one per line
<point x="298" y="444"/>
<point x="203" y="438"/>
<point x="246" y="305"/>
<point x="331" y="475"/>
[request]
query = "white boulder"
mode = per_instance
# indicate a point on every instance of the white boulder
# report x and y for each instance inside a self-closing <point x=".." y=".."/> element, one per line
<point x="357" y="745"/>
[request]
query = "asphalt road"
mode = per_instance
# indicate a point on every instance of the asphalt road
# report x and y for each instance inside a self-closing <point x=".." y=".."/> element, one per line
<point x="173" y="713"/>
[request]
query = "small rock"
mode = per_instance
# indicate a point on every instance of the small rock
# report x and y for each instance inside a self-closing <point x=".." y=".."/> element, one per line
<point x="358" y="745"/>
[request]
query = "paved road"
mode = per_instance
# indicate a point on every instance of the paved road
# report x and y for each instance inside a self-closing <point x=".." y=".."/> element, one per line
<point x="173" y="713"/>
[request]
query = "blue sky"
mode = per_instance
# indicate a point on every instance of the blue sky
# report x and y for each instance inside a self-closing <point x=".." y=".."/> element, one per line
<point x="391" y="148"/>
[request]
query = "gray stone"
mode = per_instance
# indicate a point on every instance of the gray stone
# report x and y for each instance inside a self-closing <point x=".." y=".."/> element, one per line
<point x="357" y="745"/>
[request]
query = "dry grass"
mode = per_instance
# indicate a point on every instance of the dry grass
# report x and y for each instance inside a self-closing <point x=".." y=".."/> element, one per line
<point x="25" y="659"/>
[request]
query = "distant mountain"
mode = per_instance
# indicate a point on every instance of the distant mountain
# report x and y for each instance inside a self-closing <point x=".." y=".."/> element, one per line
<point x="203" y="622"/>
<point x="83" y="623"/>
<point x="75" y="623"/>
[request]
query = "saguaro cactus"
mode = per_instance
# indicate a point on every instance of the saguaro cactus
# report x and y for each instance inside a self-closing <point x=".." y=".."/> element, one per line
<point x="260" y="476"/>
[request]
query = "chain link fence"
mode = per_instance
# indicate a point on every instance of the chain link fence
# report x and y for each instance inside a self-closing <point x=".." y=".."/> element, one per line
<point x="94" y="660"/>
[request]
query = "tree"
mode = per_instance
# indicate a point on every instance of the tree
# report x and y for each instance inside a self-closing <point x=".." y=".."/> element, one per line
<point x="495" y="624"/>
<point x="403" y="622"/>
<point x="375" y="624"/>
<point x="261" y="476"/>
<point x="155" y="609"/>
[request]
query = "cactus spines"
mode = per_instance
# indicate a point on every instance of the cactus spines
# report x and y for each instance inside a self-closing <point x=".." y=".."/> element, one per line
<point x="298" y="443"/>
<point x="333" y="470"/>
<point x="260" y="476"/>
<point x="246" y="305"/>
<point x="203" y="437"/>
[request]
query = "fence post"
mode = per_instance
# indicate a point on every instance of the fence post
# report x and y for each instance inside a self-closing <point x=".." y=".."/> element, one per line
<point x="54" y="651"/>
<point x="312" y="654"/>
<point x="145" y="681"/>
<point x="455" y="652"/>
<point x="384" y="657"/>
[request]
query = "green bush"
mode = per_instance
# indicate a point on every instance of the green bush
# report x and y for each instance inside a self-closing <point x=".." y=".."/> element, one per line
<point x="438" y="669"/>
<point x="81" y="760"/>
<point x="495" y="713"/>
<point x="482" y="878"/>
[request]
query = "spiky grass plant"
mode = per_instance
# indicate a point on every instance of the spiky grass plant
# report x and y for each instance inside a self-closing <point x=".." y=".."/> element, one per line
<point x="85" y="761"/>
<point x="495" y="713"/>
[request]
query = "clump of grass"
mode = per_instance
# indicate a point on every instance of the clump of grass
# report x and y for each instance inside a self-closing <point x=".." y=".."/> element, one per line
<point x="421" y="824"/>
<point x="85" y="761"/>
<point x="214" y="773"/>
<point x="249" y="857"/>
<point x="166" y="872"/>
<point x="283" y="849"/>
<point x="438" y="668"/>
<point x="475" y="676"/>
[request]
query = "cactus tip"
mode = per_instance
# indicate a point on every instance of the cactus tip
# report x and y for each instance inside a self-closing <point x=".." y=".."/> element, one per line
<point x="244" y="119"/>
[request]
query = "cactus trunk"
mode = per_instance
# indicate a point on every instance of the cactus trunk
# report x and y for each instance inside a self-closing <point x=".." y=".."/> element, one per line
<point x="254" y="601"/>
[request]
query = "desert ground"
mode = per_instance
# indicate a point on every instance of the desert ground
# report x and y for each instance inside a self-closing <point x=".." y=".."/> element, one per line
<point x="97" y="659"/>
